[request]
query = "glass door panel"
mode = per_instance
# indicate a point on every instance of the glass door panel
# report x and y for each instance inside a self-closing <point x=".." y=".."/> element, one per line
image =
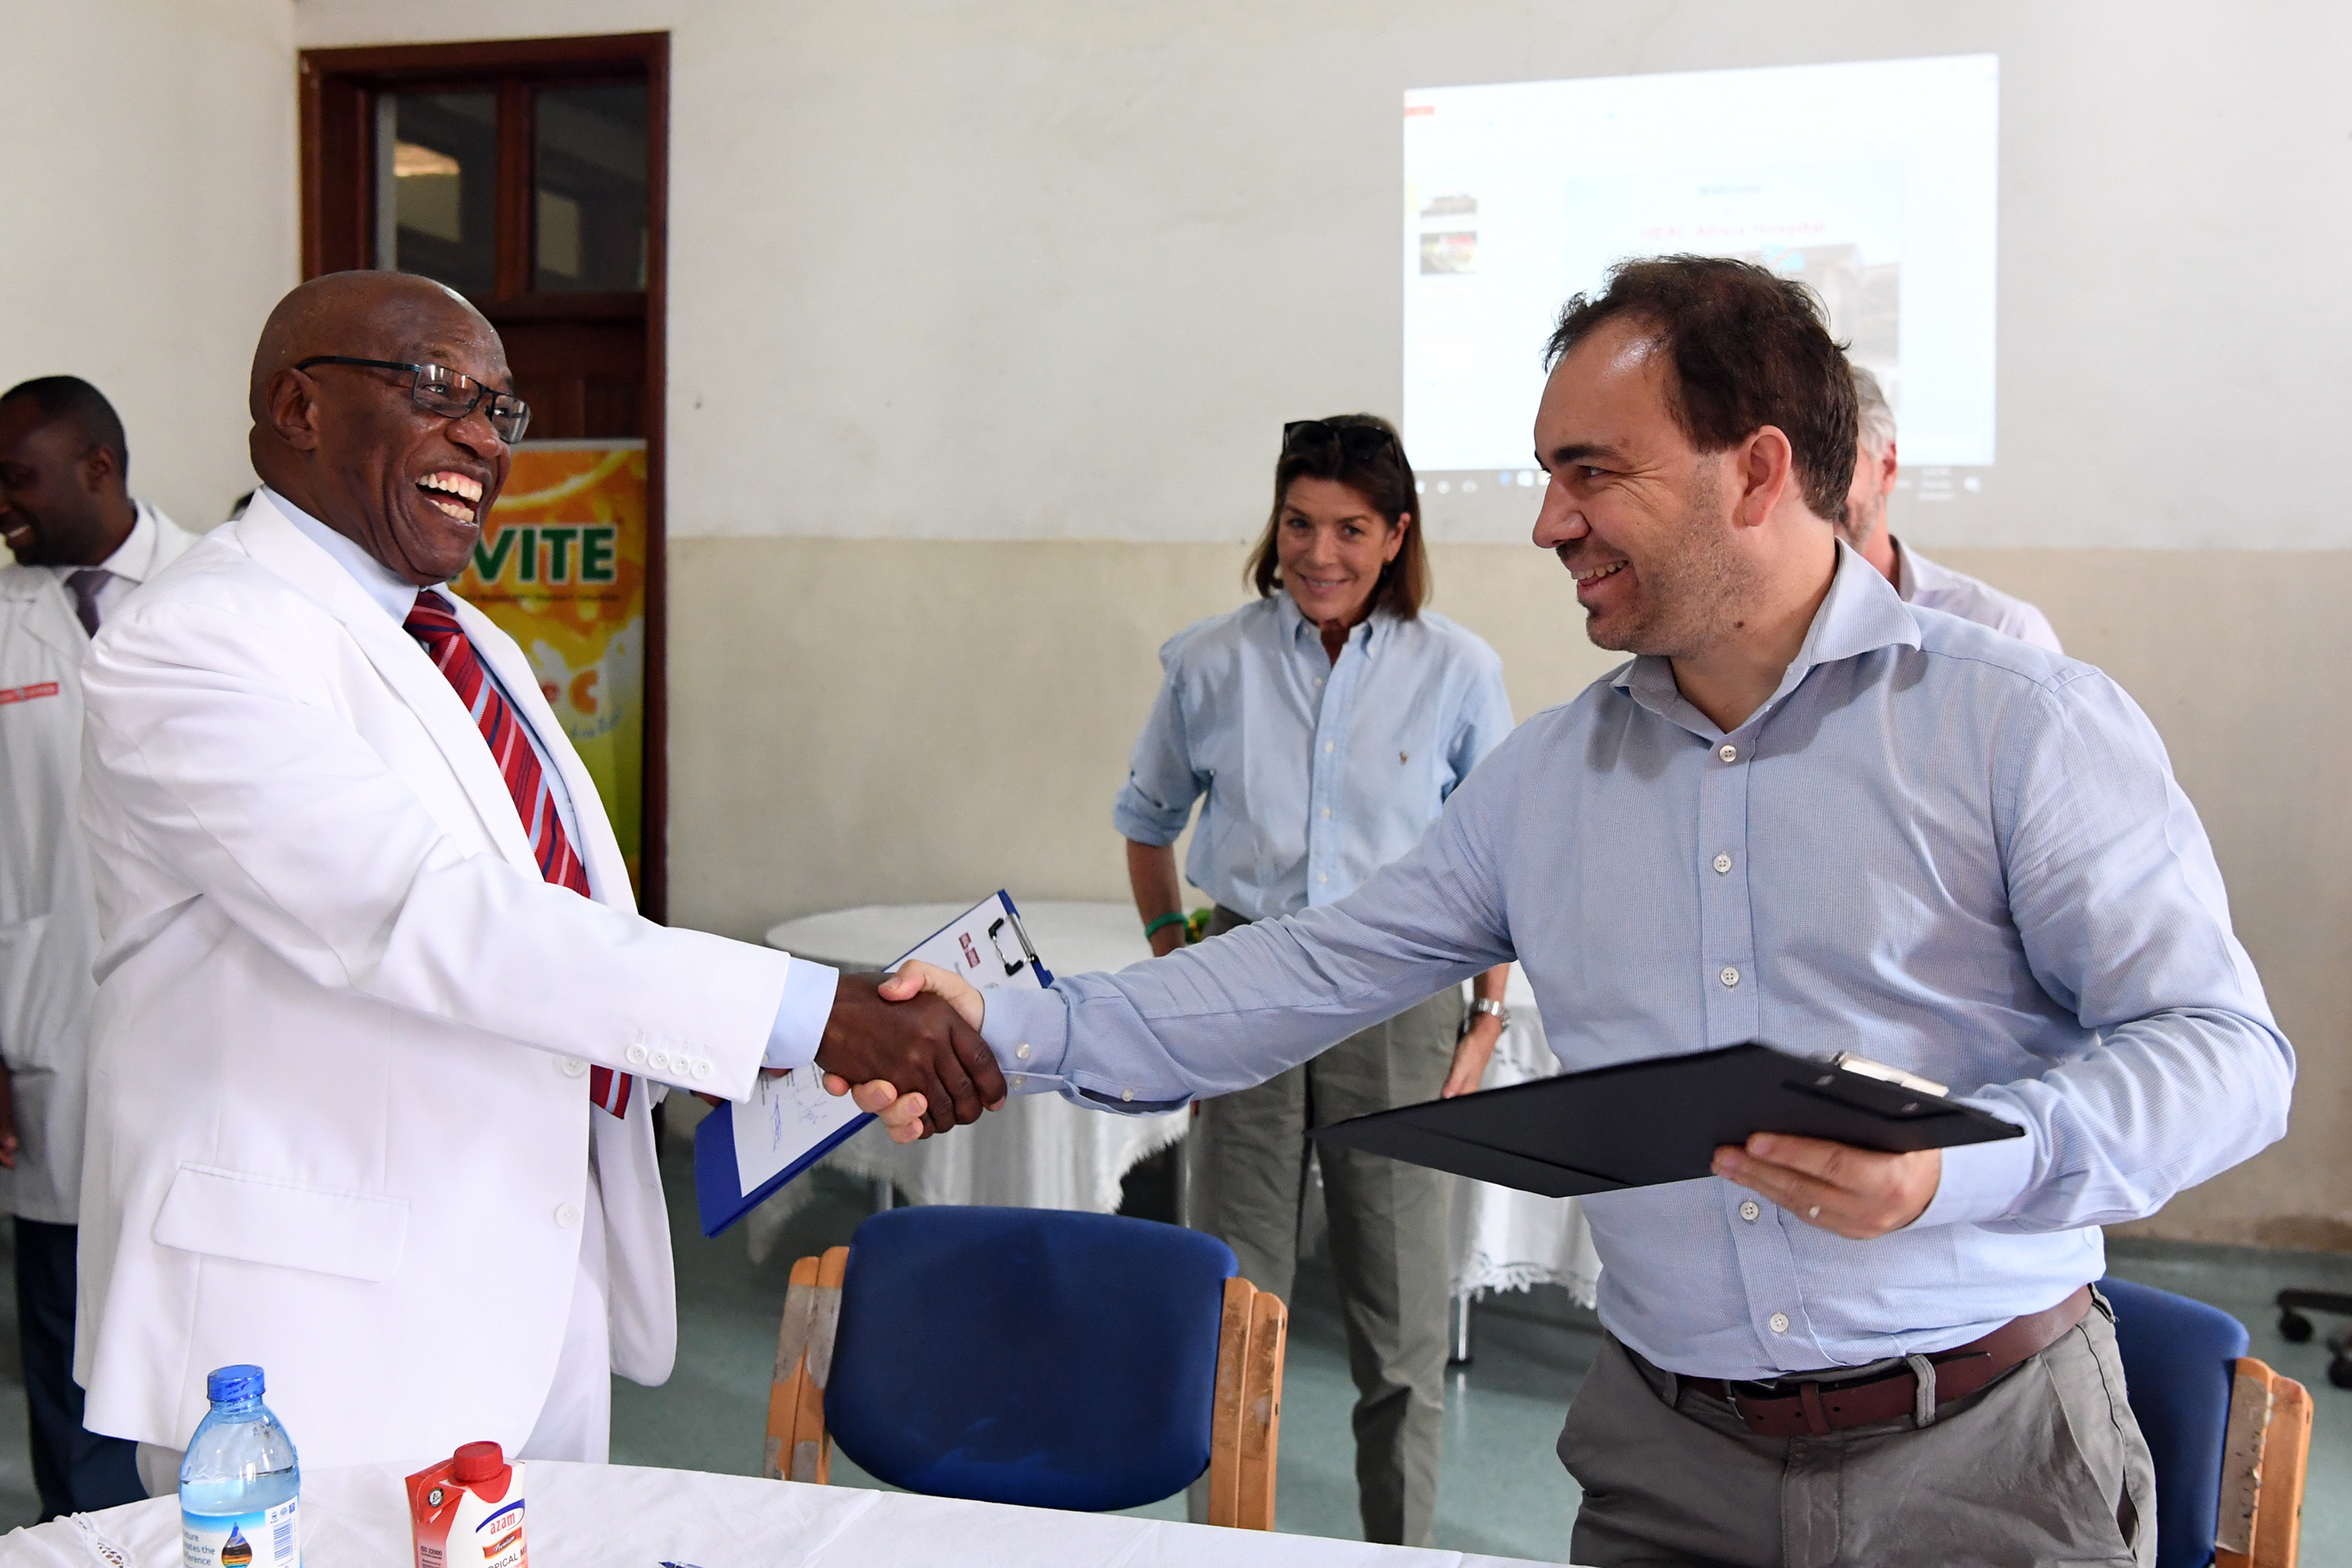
<point x="436" y="186"/>
<point x="589" y="208"/>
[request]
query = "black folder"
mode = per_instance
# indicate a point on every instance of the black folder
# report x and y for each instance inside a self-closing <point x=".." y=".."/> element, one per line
<point x="1643" y="1122"/>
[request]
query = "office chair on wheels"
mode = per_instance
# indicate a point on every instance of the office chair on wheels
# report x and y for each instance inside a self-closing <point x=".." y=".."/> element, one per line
<point x="2296" y="1328"/>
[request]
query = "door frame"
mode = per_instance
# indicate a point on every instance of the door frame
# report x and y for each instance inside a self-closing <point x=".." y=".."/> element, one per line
<point x="339" y="229"/>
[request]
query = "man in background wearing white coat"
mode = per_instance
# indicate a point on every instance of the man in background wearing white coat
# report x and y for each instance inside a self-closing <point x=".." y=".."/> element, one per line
<point x="1918" y="581"/>
<point x="82" y="543"/>
<point x="375" y="998"/>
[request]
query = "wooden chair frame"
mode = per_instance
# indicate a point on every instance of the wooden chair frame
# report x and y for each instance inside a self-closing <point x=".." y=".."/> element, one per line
<point x="2263" y="1459"/>
<point x="1245" y="1428"/>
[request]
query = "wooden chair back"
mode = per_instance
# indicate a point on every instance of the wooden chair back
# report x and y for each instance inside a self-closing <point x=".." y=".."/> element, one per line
<point x="1245" y="1426"/>
<point x="2268" y="1449"/>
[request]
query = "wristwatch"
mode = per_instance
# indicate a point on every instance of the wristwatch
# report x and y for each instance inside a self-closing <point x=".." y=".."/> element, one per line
<point x="1502" y="1015"/>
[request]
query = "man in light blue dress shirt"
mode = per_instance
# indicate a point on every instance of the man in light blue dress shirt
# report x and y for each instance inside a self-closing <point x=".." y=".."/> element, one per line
<point x="1810" y="814"/>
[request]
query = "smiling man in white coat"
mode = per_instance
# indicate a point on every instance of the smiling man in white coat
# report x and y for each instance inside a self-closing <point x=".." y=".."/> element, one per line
<point x="81" y="543"/>
<point x="373" y="999"/>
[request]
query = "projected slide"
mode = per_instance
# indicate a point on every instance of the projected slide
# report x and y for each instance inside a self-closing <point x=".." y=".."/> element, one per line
<point x="1873" y="183"/>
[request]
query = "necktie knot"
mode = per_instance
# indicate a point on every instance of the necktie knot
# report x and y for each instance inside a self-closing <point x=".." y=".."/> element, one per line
<point x="86" y="584"/>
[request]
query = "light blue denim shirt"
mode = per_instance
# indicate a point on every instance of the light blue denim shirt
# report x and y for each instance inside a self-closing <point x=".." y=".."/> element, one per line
<point x="1935" y="845"/>
<point x="808" y="987"/>
<point x="1316" y="774"/>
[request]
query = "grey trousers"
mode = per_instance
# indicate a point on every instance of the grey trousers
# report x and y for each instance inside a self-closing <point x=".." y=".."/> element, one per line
<point x="1388" y="1225"/>
<point x="2045" y="1466"/>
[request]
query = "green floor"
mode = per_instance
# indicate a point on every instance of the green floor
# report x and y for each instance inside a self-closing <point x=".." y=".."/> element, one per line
<point x="1502" y="1491"/>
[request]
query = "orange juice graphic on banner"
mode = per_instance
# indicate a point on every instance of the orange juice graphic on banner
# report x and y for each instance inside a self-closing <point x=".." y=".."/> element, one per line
<point x="560" y="567"/>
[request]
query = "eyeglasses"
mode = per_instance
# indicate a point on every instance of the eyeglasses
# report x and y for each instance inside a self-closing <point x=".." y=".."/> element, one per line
<point x="450" y="394"/>
<point x="1306" y="436"/>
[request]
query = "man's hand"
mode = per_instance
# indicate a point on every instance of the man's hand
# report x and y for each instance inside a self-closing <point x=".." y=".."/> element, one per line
<point x="1856" y="1193"/>
<point x="914" y="979"/>
<point x="8" y="1144"/>
<point x="918" y="1046"/>
<point x="1471" y="1055"/>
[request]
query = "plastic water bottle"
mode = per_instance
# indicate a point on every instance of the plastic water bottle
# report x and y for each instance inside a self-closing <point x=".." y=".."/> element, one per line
<point x="240" y="1483"/>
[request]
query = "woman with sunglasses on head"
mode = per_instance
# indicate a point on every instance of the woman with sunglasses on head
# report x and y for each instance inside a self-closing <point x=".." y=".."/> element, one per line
<point x="1322" y="726"/>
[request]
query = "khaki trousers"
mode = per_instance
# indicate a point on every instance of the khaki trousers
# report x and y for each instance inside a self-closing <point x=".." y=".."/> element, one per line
<point x="1388" y="1228"/>
<point x="2044" y="1466"/>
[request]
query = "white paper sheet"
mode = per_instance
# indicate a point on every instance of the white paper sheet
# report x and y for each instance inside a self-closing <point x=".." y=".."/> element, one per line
<point x="790" y="1118"/>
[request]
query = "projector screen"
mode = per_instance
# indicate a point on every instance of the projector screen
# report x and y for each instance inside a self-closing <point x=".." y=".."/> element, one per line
<point x="1875" y="182"/>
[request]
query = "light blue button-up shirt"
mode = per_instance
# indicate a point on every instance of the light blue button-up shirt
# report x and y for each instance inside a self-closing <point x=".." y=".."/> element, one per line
<point x="1317" y="773"/>
<point x="808" y="987"/>
<point x="1935" y="845"/>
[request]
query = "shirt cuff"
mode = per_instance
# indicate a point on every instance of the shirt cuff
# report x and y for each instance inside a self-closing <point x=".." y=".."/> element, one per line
<point x="1979" y="1182"/>
<point x="1029" y="1031"/>
<point x="1142" y="820"/>
<point x="793" y="1038"/>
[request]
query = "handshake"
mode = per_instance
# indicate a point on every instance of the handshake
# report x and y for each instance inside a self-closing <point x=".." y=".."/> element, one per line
<point x="907" y="1047"/>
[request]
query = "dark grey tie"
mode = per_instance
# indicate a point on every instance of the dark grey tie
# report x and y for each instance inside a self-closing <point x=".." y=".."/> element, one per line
<point x="86" y="584"/>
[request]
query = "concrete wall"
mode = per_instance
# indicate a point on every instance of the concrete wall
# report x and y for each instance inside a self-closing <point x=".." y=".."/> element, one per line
<point x="147" y="217"/>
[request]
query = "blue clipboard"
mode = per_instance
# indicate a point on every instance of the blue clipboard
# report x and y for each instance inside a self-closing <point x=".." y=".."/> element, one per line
<point x="986" y="943"/>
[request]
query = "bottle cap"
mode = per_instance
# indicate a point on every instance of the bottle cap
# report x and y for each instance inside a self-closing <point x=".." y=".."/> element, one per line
<point x="242" y="1381"/>
<point x="479" y="1461"/>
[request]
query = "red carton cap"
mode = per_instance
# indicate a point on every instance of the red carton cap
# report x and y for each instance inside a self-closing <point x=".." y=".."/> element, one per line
<point x="478" y="1462"/>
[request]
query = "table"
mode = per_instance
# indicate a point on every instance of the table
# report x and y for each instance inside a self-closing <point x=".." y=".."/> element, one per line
<point x="617" y="1516"/>
<point x="1041" y="1152"/>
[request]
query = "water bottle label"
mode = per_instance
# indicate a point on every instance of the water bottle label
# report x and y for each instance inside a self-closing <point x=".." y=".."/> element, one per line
<point x="268" y="1538"/>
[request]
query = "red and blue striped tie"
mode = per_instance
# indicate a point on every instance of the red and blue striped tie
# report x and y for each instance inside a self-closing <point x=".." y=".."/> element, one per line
<point x="436" y="629"/>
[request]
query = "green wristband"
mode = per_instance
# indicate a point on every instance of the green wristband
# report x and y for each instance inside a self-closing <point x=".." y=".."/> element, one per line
<point x="1176" y="919"/>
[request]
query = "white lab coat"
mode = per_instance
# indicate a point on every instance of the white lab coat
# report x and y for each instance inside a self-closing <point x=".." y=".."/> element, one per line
<point x="49" y="924"/>
<point x="340" y="1121"/>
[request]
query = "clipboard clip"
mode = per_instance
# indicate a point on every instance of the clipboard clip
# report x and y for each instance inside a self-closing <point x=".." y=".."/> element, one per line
<point x="1028" y="953"/>
<point x="1869" y="1085"/>
<point x="1886" y="1074"/>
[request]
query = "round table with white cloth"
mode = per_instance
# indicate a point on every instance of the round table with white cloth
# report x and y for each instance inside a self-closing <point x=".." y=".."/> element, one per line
<point x="1041" y="1152"/>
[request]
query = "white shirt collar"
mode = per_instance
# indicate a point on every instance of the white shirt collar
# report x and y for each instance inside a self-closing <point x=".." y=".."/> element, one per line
<point x="133" y="558"/>
<point x="392" y="592"/>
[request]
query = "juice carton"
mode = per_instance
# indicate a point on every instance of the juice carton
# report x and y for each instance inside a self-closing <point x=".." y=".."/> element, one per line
<point x="467" y="1511"/>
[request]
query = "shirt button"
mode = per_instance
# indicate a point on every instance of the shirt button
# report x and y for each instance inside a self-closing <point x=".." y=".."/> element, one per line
<point x="1722" y="865"/>
<point x="1327" y="810"/>
<point x="1018" y="1081"/>
<point x="1126" y="1093"/>
<point x="1779" y="1321"/>
<point x="701" y="1071"/>
<point x="1319" y="680"/>
<point x="1729" y="753"/>
<point x="659" y="1060"/>
<point x="1730" y="975"/>
<point x="573" y="1066"/>
<point x="1322" y="876"/>
<point x="1749" y="1211"/>
<point x="1327" y="746"/>
<point x="1022" y="1050"/>
<point x="567" y="1215"/>
<point x="636" y="1055"/>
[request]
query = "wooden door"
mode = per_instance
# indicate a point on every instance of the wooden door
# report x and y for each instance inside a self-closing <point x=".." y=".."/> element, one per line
<point x="531" y="175"/>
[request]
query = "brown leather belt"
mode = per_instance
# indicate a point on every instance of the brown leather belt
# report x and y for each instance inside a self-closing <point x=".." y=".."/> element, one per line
<point x="1818" y="1407"/>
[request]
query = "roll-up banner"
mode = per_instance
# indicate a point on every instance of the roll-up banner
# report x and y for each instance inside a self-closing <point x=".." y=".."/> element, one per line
<point x="560" y="567"/>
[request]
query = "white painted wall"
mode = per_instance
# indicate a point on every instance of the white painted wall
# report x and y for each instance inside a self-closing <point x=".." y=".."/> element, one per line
<point x="1048" y="270"/>
<point x="147" y="219"/>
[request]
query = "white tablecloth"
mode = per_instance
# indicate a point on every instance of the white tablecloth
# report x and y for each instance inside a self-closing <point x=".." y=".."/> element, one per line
<point x="598" y="1516"/>
<point x="1041" y="1152"/>
<point x="1504" y="1239"/>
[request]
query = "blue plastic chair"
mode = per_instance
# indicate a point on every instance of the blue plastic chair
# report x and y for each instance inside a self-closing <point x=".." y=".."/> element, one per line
<point x="2179" y="1358"/>
<point x="1034" y="1357"/>
<point x="2226" y="1432"/>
